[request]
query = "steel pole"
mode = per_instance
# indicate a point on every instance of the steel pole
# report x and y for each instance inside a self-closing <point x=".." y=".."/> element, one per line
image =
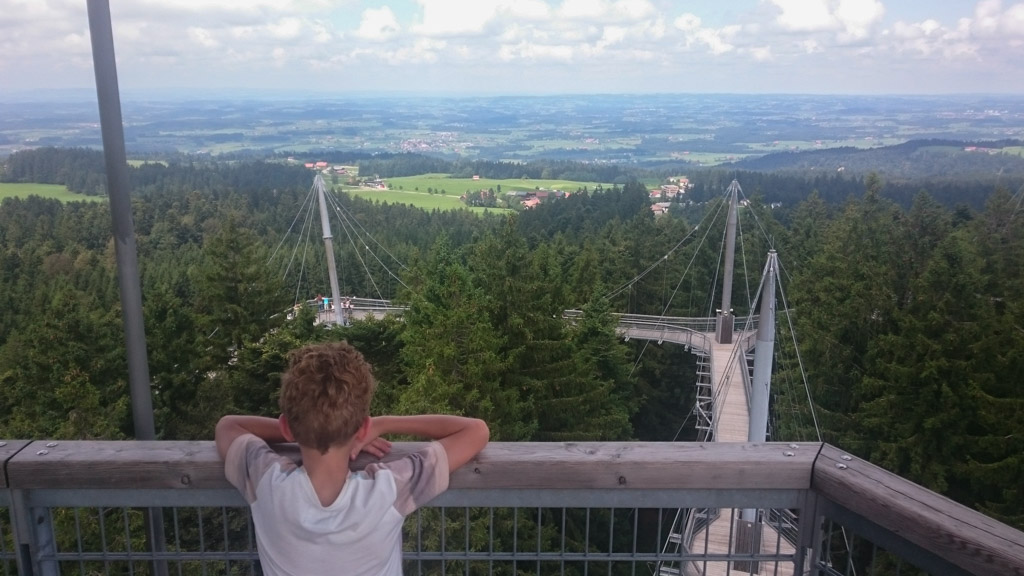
<point x="112" y="127"/>
<point x="764" y="352"/>
<point x="121" y="213"/>
<point x="725" y="317"/>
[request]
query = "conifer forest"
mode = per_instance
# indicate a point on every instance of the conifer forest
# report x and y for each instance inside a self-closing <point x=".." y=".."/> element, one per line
<point x="904" y="300"/>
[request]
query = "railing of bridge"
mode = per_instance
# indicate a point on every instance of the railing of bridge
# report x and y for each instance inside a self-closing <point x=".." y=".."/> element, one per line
<point x="748" y="324"/>
<point x="524" y="508"/>
<point x="652" y="322"/>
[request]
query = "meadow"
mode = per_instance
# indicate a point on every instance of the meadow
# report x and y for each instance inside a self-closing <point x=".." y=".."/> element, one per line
<point x="459" y="186"/>
<point x="422" y="199"/>
<point x="56" y="191"/>
<point x="794" y="145"/>
<point x="440" y="192"/>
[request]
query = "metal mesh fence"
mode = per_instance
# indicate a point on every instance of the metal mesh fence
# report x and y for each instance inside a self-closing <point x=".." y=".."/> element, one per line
<point x="197" y="541"/>
<point x="474" y="541"/>
<point x="437" y="541"/>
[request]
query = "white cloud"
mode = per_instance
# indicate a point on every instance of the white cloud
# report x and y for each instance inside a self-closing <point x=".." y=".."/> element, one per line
<point x="219" y="41"/>
<point x="76" y="42"/>
<point x="286" y="29"/>
<point x="991" y="34"/>
<point x="688" y="22"/>
<point x="422" y="51"/>
<point x="762" y="53"/>
<point x="203" y="37"/>
<point x="446" y="18"/>
<point x="603" y="11"/>
<point x="583" y="9"/>
<point x="810" y="46"/>
<point x="716" y="41"/>
<point x="991" y="20"/>
<point x="535" y="52"/>
<point x="1013" y="20"/>
<point x="321" y="34"/>
<point x="280" y="56"/>
<point x="378" y="24"/>
<point x="986" y="16"/>
<point x="612" y="35"/>
<point x="852" y="20"/>
<point x="528" y="10"/>
<point x="633" y="10"/>
<point x="805" y="15"/>
<point x="858" y="18"/>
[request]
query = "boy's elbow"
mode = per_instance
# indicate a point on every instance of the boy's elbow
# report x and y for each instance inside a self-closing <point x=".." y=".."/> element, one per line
<point x="482" y="431"/>
<point x="223" y="425"/>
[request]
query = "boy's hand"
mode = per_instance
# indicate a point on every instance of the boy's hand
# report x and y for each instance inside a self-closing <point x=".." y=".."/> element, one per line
<point x="377" y="447"/>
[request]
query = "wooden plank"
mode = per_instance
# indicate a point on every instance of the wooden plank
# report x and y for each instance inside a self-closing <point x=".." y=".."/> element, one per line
<point x="128" y="464"/>
<point x="961" y="536"/>
<point x="732" y="419"/>
<point x="8" y="448"/>
<point x="635" y="465"/>
<point x="720" y="536"/>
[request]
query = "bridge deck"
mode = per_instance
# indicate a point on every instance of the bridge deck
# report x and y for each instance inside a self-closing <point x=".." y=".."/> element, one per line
<point x="718" y="539"/>
<point x="731" y="421"/>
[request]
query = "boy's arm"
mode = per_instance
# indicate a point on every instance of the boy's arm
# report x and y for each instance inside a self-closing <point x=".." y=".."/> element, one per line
<point x="462" y="438"/>
<point x="229" y="428"/>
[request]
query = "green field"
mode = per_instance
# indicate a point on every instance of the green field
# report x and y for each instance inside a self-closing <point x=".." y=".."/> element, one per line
<point x="415" y="190"/>
<point x="19" y="190"/>
<point x="458" y="186"/>
<point x="418" y="199"/>
<point x="804" y="145"/>
<point x="709" y="158"/>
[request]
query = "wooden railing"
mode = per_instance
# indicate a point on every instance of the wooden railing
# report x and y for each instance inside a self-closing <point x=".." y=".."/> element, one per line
<point x="826" y="487"/>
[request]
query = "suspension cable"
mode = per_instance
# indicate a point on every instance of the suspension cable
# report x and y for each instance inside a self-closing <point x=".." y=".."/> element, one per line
<point x="347" y="221"/>
<point x="292" y="227"/>
<point x="800" y="362"/>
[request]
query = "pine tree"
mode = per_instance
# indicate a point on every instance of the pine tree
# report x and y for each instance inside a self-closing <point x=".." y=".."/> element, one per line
<point x="452" y="353"/>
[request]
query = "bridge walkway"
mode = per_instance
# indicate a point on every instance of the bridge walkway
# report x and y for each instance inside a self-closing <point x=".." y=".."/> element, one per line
<point x="731" y="415"/>
<point x="730" y="423"/>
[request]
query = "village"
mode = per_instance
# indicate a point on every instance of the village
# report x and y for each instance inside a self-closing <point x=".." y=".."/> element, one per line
<point x="673" y="191"/>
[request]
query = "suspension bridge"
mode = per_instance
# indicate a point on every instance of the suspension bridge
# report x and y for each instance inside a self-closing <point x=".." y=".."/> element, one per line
<point x="734" y="358"/>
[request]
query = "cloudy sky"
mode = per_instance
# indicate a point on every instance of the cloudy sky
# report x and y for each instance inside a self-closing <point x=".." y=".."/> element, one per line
<point x="524" y="46"/>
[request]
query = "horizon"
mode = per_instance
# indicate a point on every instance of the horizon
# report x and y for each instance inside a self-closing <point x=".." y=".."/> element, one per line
<point x="184" y="95"/>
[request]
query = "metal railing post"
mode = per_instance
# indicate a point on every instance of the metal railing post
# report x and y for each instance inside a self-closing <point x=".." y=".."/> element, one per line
<point x="33" y="537"/>
<point x="808" y="546"/>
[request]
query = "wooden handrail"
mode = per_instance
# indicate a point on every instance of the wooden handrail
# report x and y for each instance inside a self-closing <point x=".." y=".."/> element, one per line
<point x="959" y="535"/>
<point x="8" y="448"/>
<point x="522" y="465"/>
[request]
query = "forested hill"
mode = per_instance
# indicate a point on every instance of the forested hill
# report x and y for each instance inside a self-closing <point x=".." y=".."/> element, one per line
<point x="81" y="170"/>
<point x="909" y="319"/>
<point x="931" y="160"/>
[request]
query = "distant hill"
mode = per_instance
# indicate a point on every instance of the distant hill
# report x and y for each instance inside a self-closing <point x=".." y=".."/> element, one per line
<point x="914" y="160"/>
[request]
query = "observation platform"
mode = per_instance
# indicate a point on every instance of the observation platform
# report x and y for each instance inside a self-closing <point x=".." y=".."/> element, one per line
<point x="72" y="507"/>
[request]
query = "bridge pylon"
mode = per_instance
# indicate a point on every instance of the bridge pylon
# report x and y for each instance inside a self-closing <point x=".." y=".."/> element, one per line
<point x="724" y="324"/>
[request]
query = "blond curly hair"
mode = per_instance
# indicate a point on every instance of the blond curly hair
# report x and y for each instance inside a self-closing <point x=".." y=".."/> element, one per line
<point x="326" y="394"/>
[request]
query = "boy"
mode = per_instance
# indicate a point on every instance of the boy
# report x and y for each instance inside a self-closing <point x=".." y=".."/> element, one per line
<point x="317" y="517"/>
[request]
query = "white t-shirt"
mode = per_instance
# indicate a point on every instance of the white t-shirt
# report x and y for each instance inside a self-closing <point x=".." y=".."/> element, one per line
<point x="359" y="533"/>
